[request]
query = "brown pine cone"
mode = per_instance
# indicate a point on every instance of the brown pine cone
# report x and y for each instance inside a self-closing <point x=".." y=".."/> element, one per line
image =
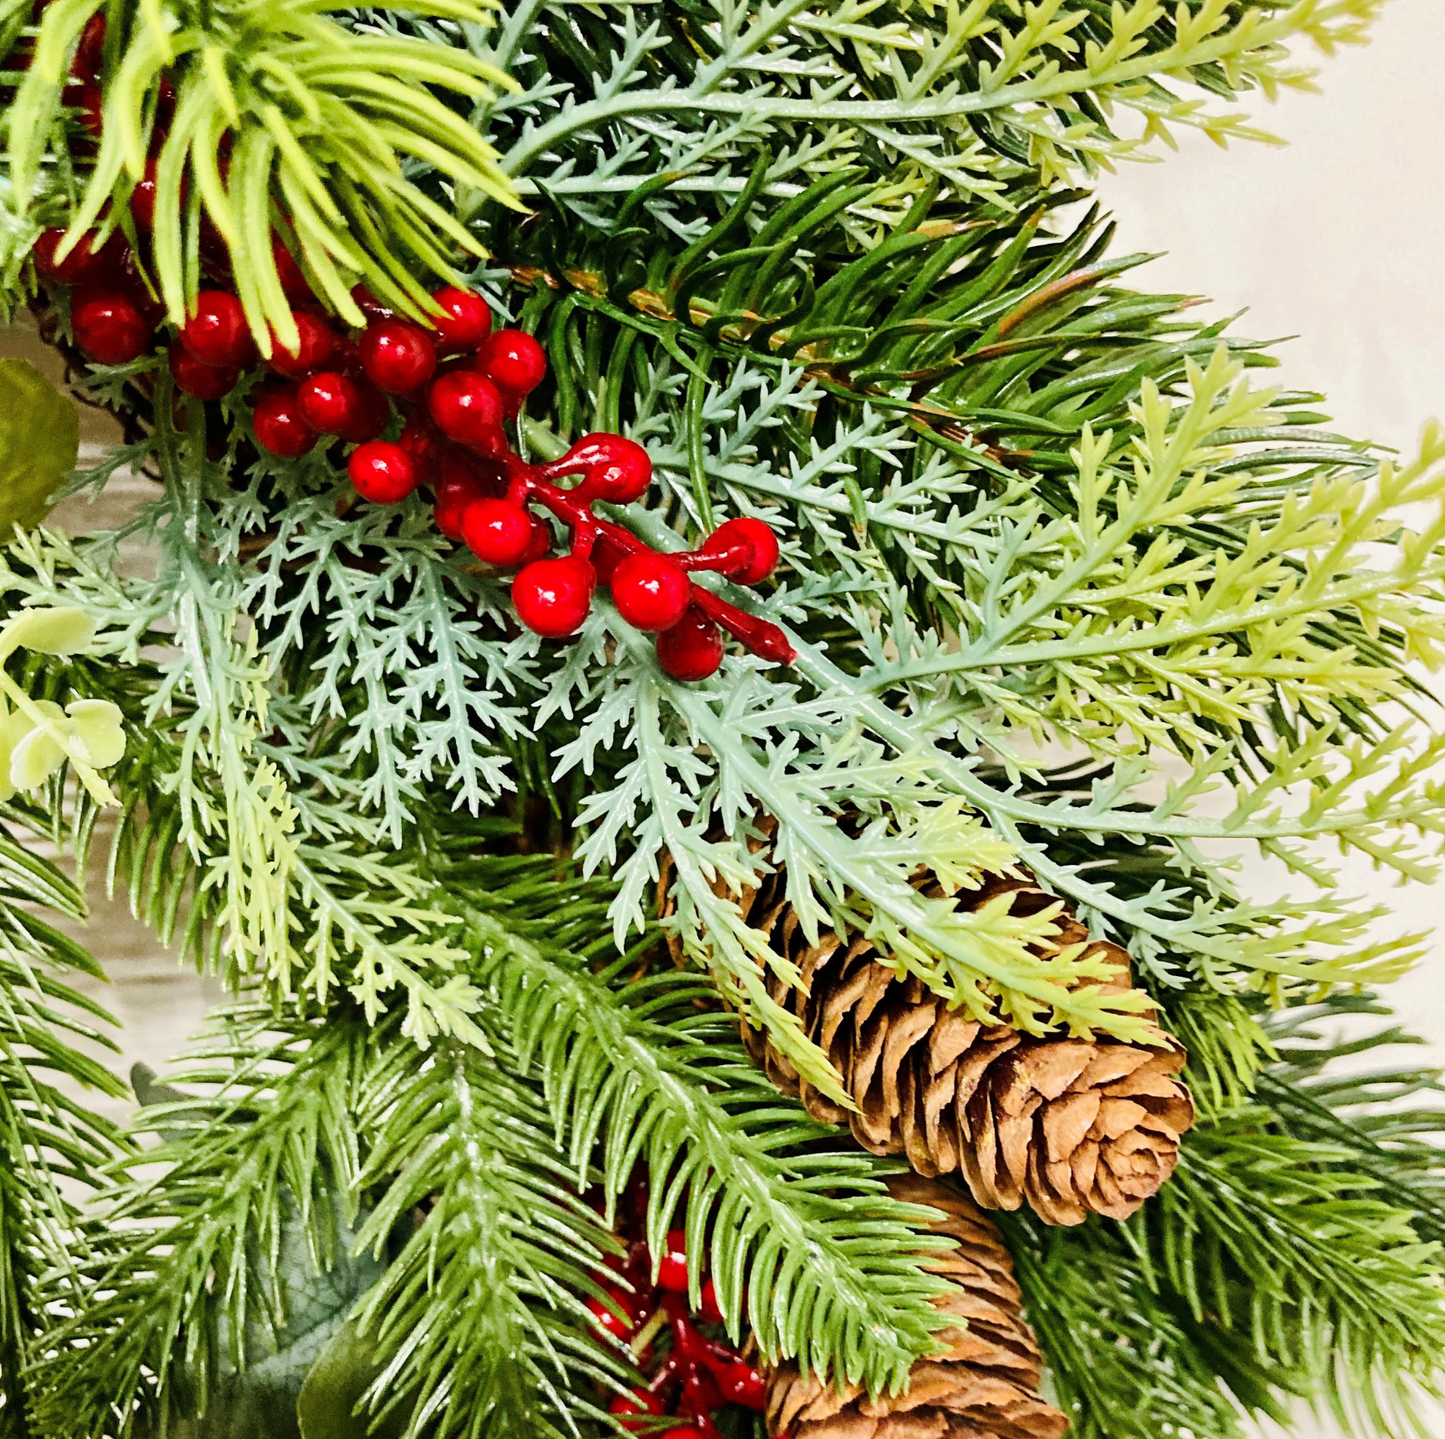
<point x="1072" y="1126"/>
<point x="983" y="1386"/>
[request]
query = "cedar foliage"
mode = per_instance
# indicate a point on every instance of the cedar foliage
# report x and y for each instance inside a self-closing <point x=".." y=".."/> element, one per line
<point x="817" y="260"/>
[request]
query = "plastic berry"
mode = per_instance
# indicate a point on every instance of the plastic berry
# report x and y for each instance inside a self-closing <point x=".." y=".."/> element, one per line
<point x="514" y="362"/>
<point x="280" y="425"/>
<point x="329" y="401"/>
<point x="709" y="1309"/>
<point x="381" y="472"/>
<point x="458" y="487"/>
<point x="91" y="105"/>
<point x="316" y="345"/>
<point x="369" y="418"/>
<point x="294" y="284"/>
<point x="420" y="441"/>
<point x="613" y="469"/>
<point x="369" y="305"/>
<point x="217" y="333"/>
<point x="554" y="596"/>
<point x="196" y="378"/>
<point x="740" y="1383"/>
<point x="692" y="649"/>
<point x="497" y="531"/>
<point x="110" y="328"/>
<point x="468" y="409"/>
<point x="753" y="537"/>
<point x="82" y="264"/>
<point x="143" y="200"/>
<point x="636" y="1402"/>
<point x="605" y="1317"/>
<point x="651" y="592"/>
<point x="397" y="357"/>
<point x="86" y="64"/>
<point x="464" y="322"/>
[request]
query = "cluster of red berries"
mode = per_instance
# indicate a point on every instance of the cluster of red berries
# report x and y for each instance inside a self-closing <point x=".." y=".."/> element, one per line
<point x="692" y="1372"/>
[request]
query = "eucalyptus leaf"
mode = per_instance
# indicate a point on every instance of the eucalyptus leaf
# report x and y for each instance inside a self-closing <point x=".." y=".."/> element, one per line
<point x="39" y="443"/>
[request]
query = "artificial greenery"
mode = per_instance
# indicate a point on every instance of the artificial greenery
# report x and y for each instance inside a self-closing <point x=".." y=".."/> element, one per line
<point x="829" y="265"/>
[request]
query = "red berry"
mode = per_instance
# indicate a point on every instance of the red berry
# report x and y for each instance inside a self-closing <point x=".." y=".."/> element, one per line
<point x="329" y="401"/>
<point x="197" y="378"/>
<point x="497" y="531"/>
<point x="293" y="282"/>
<point x="613" y="468"/>
<point x="217" y="333"/>
<point x="692" y="649"/>
<point x="420" y="441"/>
<point x="382" y="473"/>
<point x="464" y="321"/>
<point x="458" y="487"/>
<point x="316" y="345"/>
<point x="468" y="409"/>
<point x="82" y="263"/>
<point x="541" y="542"/>
<point x="397" y="357"/>
<point x="636" y="1401"/>
<point x="608" y="1322"/>
<point x="751" y="536"/>
<point x="650" y="590"/>
<point x="91" y="104"/>
<point x="740" y="1383"/>
<point x="710" y="1310"/>
<point x="370" y="416"/>
<point x="109" y="328"/>
<point x="368" y="304"/>
<point x="554" y="596"/>
<point x="143" y="200"/>
<point x="672" y="1271"/>
<point x="86" y="65"/>
<point x="514" y="362"/>
<point x="280" y="425"/>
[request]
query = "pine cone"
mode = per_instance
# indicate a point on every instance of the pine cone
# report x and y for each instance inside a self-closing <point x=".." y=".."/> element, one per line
<point x="1072" y="1126"/>
<point x="983" y="1386"/>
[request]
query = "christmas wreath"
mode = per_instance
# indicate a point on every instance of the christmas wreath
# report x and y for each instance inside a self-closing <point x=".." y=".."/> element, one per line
<point x="709" y="672"/>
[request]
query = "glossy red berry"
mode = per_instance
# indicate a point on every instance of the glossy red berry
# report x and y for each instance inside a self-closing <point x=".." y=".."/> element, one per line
<point x="109" y="328"/>
<point x="468" y="409"/>
<point x="497" y="531"/>
<point x="513" y="361"/>
<point x="196" y="378"/>
<point x="143" y="200"/>
<point x="82" y="264"/>
<point x="316" y="345"/>
<point x="86" y="65"/>
<point x="651" y="591"/>
<point x="91" y="104"/>
<point x="397" y="357"/>
<point x="753" y="537"/>
<point x="464" y="322"/>
<point x="709" y="1310"/>
<point x="421" y="442"/>
<point x="636" y="1402"/>
<point x="618" y="1326"/>
<point x="554" y="596"/>
<point x="740" y="1383"/>
<point x="458" y="487"/>
<point x="280" y="425"/>
<point x="672" y="1269"/>
<point x="613" y="469"/>
<point x="381" y="472"/>
<point x="692" y="649"/>
<point x="293" y="282"/>
<point x="217" y="333"/>
<point x="369" y="418"/>
<point x="329" y="401"/>
<point x="369" y="305"/>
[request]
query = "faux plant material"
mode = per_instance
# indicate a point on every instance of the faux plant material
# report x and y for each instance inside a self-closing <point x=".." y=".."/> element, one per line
<point x="983" y="1384"/>
<point x="39" y="441"/>
<point x="1074" y="1127"/>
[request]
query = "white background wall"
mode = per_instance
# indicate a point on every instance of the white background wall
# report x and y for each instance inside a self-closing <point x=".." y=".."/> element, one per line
<point x="1337" y="239"/>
